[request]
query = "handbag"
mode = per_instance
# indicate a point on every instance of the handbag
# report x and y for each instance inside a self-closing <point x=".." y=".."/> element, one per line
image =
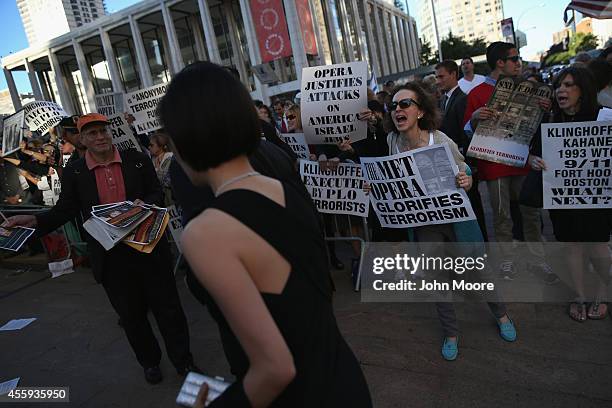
<point x="531" y="192"/>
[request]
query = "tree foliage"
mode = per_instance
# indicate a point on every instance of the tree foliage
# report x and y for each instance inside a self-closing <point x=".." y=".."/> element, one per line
<point x="427" y="56"/>
<point x="578" y="42"/>
<point x="454" y="47"/>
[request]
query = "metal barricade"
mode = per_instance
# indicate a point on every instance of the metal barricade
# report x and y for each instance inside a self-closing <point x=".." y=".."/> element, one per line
<point x="342" y="230"/>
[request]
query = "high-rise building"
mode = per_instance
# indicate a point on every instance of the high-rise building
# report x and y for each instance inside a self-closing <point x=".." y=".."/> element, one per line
<point x="467" y="19"/>
<point x="47" y="19"/>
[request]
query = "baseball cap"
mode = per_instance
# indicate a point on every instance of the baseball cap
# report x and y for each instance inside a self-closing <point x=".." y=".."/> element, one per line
<point x="91" y="118"/>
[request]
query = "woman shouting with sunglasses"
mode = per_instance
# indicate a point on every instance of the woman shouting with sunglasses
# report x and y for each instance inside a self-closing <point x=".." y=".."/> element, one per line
<point x="414" y="119"/>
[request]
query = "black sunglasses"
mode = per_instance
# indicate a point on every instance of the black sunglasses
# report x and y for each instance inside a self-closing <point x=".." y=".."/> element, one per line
<point x="290" y="117"/>
<point x="515" y="58"/>
<point x="404" y="104"/>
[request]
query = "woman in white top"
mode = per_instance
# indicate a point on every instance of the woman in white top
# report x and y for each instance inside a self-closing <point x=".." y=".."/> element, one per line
<point x="414" y="120"/>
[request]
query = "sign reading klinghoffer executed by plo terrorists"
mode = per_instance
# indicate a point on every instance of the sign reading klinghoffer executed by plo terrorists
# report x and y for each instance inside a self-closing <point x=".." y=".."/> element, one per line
<point x="332" y="98"/>
<point x="338" y="191"/>
<point x="142" y="105"/>
<point x="110" y="103"/>
<point x="123" y="137"/>
<point x="416" y="188"/>
<point x="42" y="116"/>
<point x="505" y="138"/>
<point x="12" y="133"/>
<point x="297" y="143"/>
<point x="578" y="159"/>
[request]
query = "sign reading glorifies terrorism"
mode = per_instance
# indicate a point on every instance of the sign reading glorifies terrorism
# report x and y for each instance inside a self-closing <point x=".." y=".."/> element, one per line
<point x="142" y="105"/>
<point x="337" y="191"/>
<point x="416" y="188"/>
<point x="578" y="159"/>
<point x="42" y="116"/>
<point x="110" y="103"/>
<point x="332" y="98"/>
<point x="123" y="137"/>
<point x="505" y="138"/>
<point x="297" y="143"/>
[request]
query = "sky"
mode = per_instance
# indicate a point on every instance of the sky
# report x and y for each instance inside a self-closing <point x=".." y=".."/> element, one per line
<point x="539" y="23"/>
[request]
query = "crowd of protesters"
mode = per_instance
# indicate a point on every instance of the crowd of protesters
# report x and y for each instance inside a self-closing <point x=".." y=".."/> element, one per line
<point x="268" y="348"/>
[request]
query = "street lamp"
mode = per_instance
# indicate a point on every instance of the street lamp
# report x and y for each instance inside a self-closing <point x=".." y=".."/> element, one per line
<point x="518" y="21"/>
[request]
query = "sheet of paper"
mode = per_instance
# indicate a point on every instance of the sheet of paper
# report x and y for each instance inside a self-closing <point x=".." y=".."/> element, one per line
<point x="604" y="114"/>
<point x="17" y="324"/>
<point x="9" y="385"/>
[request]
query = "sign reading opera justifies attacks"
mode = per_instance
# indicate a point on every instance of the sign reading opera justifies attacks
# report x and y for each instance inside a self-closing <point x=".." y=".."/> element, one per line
<point x="142" y="105"/>
<point x="332" y="98"/>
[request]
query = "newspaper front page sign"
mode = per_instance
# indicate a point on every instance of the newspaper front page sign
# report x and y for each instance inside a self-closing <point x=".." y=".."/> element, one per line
<point x="338" y="191"/>
<point x="578" y="159"/>
<point x="43" y="115"/>
<point x="505" y="138"/>
<point x="416" y="188"/>
<point x="332" y="98"/>
<point x="110" y="103"/>
<point x="142" y="105"/>
<point x="12" y="133"/>
<point x="297" y="143"/>
<point x="123" y="137"/>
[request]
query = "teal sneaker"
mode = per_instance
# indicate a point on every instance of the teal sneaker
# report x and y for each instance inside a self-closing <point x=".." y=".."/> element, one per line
<point x="449" y="349"/>
<point x="507" y="331"/>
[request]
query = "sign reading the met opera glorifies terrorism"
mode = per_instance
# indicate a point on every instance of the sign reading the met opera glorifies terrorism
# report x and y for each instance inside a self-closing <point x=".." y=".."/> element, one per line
<point x="42" y="116"/>
<point x="416" y="188"/>
<point x="110" y="103"/>
<point x="337" y="191"/>
<point x="142" y="105"/>
<point x="505" y="138"/>
<point x="297" y="143"/>
<point x="578" y="159"/>
<point x="123" y="137"/>
<point x="332" y="98"/>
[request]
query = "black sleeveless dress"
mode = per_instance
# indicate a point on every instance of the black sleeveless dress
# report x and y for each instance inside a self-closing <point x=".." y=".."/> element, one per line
<point x="327" y="372"/>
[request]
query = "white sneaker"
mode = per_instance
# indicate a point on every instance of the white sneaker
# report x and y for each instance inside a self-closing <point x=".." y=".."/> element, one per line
<point x="507" y="271"/>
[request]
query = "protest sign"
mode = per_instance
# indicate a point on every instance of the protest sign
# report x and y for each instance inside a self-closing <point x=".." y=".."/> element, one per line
<point x="142" y="105"/>
<point x="123" y="137"/>
<point x="332" y="98"/>
<point x="12" y="133"/>
<point x="416" y="188"/>
<point x="13" y="238"/>
<point x="297" y="143"/>
<point x="337" y="191"/>
<point x="175" y="225"/>
<point x="505" y="138"/>
<point x="42" y="116"/>
<point x="110" y="103"/>
<point x="578" y="159"/>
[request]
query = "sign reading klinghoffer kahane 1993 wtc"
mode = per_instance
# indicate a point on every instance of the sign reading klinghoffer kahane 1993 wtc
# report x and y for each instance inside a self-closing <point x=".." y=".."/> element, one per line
<point x="336" y="191"/>
<point x="332" y="98"/>
<point x="142" y="105"/>
<point x="505" y="138"/>
<point x="297" y="143"/>
<point x="416" y="188"/>
<point x="578" y="159"/>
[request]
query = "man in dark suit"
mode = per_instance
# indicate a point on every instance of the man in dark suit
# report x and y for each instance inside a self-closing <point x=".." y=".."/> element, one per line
<point x="134" y="281"/>
<point x="452" y="105"/>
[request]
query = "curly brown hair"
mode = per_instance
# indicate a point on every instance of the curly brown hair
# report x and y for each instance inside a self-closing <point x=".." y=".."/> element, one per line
<point x="427" y="103"/>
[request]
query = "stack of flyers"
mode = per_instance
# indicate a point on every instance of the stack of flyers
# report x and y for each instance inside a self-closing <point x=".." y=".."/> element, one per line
<point x="139" y="226"/>
<point x="14" y="238"/>
<point x="120" y="215"/>
<point x="148" y="230"/>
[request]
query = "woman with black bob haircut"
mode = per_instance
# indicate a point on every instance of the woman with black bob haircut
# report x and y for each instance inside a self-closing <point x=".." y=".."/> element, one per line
<point x="200" y="114"/>
<point x="260" y="254"/>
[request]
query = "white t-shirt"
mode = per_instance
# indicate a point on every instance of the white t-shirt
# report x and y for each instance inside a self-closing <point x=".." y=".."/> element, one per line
<point x="466" y="86"/>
